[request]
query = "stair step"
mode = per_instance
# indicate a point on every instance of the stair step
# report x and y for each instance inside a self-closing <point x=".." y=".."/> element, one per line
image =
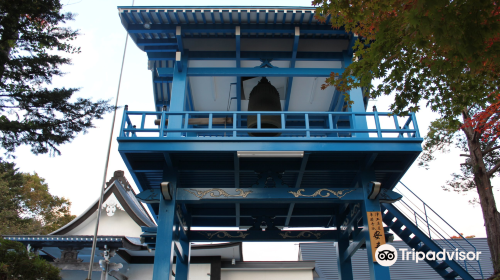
<point x="451" y="275"/>
<point x="413" y="243"/>
<point x="396" y="225"/>
<point x="442" y="265"/>
<point x="424" y="248"/>
<point x="405" y="233"/>
<point x="434" y="265"/>
<point x="388" y="220"/>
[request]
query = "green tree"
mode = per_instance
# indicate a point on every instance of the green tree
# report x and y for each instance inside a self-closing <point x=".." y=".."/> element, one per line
<point x="17" y="263"/>
<point x="446" y="55"/>
<point x="32" y="39"/>
<point x="26" y="206"/>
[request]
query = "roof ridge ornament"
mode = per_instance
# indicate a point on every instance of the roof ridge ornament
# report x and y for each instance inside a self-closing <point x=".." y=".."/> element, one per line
<point x="120" y="176"/>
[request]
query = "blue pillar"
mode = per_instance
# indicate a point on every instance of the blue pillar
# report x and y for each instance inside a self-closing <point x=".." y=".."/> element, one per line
<point x="164" y="252"/>
<point x="344" y="265"/>
<point x="178" y="95"/>
<point x="356" y="95"/>
<point x="183" y="258"/>
<point x="377" y="272"/>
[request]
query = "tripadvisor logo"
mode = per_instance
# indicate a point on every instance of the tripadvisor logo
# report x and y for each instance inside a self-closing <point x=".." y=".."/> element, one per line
<point x="387" y="255"/>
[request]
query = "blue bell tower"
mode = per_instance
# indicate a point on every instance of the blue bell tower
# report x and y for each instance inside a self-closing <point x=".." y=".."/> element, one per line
<point x="243" y="137"/>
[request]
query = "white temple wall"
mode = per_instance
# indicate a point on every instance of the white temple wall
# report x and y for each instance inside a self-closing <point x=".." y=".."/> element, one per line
<point x="267" y="275"/>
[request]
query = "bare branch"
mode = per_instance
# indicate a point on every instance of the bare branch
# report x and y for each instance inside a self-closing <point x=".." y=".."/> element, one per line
<point x="464" y="155"/>
<point x="493" y="170"/>
<point x="490" y="150"/>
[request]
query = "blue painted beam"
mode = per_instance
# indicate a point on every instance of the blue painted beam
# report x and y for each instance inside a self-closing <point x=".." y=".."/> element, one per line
<point x="284" y="195"/>
<point x="254" y="236"/>
<point x="160" y="49"/>
<point x="158" y="80"/>
<point x="281" y="195"/>
<point x="228" y="28"/>
<point x="292" y="65"/>
<point x="220" y="144"/>
<point x="250" y="55"/>
<point x="249" y="72"/>
<point x="268" y="235"/>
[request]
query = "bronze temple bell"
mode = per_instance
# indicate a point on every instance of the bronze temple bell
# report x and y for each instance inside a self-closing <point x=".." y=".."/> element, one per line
<point x="264" y="97"/>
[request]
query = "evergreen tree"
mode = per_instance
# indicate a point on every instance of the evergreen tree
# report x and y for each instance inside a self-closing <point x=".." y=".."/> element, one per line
<point x="32" y="40"/>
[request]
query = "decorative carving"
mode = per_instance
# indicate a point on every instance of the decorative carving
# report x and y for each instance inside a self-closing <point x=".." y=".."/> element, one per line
<point x="69" y="255"/>
<point x="218" y="193"/>
<point x="224" y="234"/>
<point x="302" y="234"/>
<point x="354" y="211"/>
<point x="338" y="194"/>
<point x="111" y="204"/>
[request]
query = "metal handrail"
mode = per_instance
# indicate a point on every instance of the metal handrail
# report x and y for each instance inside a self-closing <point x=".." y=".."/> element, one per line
<point x="432" y="228"/>
<point x="292" y="124"/>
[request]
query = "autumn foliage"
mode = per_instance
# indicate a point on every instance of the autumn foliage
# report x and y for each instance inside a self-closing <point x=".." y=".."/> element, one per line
<point x="441" y="54"/>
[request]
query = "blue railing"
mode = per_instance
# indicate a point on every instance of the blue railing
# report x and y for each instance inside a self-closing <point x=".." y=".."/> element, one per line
<point x="436" y="228"/>
<point x="371" y="125"/>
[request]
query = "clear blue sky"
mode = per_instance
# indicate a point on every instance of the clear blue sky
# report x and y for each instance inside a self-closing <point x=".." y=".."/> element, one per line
<point x="77" y="174"/>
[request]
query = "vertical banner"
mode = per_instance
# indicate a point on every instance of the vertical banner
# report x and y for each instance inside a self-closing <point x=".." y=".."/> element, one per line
<point x="376" y="230"/>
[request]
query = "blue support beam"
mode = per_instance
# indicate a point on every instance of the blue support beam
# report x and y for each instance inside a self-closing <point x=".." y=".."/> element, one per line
<point x="178" y="36"/>
<point x="238" y="65"/>
<point x="190" y="97"/>
<point x="178" y="95"/>
<point x="265" y="195"/>
<point x="377" y="272"/>
<point x="250" y="72"/>
<point x="358" y="241"/>
<point x="292" y="65"/>
<point x="164" y="254"/>
<point x="344" y="262"/>
<point x="183" y="257"/>
<point x="303" y="165"/>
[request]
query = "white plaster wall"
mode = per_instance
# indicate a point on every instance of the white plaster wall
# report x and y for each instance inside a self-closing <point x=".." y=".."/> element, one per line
<point x="119" y="224"/>
<point x="267" y="275"/>
<point x="199" y="271"/>
<point x="145" y="272"/>
<point x="79" y="275"/>
<point x="139" y="271"/>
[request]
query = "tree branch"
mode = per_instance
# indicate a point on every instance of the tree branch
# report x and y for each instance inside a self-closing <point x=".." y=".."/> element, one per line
<point x="493" y="170"/>
<point x="490" y="150"/>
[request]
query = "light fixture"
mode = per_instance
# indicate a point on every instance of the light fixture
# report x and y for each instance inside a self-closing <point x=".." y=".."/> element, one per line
<point x="270" y="154"/>
<point x="147" y="26"/>
<point x="233" y="262"/>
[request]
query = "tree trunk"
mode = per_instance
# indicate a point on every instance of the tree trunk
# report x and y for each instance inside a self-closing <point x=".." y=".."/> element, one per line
<point x="487" y="200"/>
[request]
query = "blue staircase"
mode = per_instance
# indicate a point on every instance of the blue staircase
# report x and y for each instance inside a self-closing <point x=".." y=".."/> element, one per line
<point x="422" y="229"/>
